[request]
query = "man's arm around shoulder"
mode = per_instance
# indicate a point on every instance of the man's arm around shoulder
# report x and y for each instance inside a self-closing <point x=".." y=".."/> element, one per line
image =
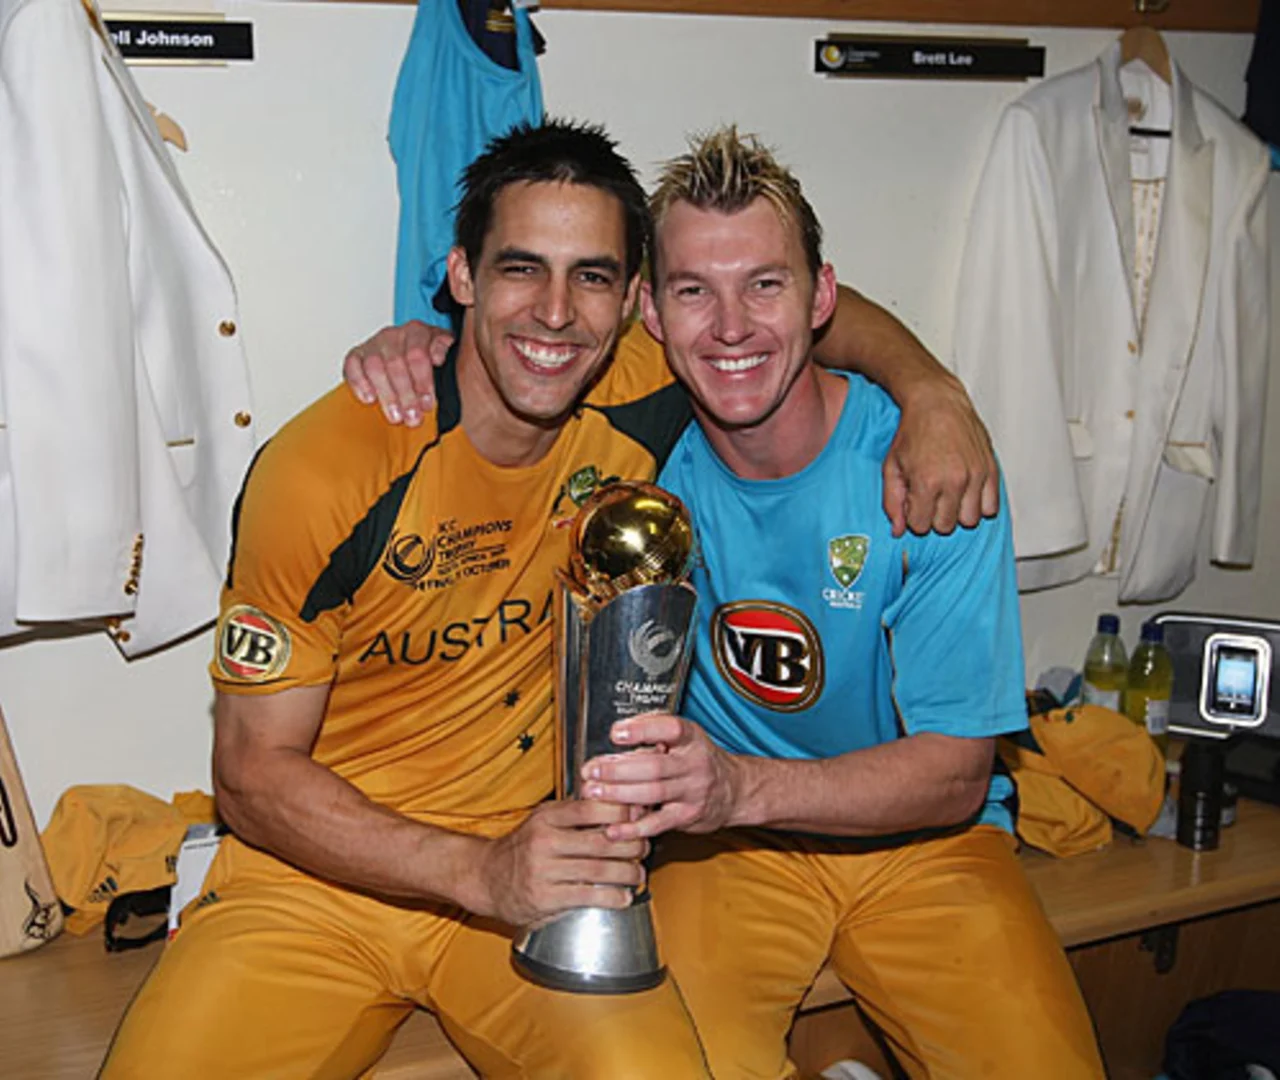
<point x="940" y="470"/>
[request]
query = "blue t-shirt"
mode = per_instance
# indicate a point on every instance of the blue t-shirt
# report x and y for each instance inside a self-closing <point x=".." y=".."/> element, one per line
<point x="450" y="100"/>
<point x="818" y="632"/>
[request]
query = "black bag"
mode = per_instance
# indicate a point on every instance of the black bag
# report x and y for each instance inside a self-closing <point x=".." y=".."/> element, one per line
<point x="1216" y="1038"/>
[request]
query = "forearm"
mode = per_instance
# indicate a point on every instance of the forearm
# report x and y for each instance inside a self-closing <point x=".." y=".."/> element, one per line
<point x="924" y="781"/>
<point x="864" y="337"/>
<point x="309" y="816"/>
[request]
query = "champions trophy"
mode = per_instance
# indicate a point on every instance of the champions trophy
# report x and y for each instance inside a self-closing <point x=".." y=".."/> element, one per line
<point x="623" y="617"/>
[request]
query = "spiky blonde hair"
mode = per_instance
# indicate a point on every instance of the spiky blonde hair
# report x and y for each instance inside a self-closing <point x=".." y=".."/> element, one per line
<point x="727" y="172"/>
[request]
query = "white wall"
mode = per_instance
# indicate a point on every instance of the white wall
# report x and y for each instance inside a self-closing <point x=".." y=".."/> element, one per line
<point x="289" y="168"/>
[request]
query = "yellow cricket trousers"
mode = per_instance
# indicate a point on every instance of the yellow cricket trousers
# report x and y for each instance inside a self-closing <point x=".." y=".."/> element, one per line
<point x="286" y="976"/>
<point x="942" y="941"/>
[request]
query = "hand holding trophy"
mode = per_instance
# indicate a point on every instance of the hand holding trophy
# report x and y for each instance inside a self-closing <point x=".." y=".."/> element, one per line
<point x="624" y="611"/>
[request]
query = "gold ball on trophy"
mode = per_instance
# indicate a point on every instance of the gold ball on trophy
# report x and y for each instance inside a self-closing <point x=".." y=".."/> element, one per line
<point x="629" y="534"/>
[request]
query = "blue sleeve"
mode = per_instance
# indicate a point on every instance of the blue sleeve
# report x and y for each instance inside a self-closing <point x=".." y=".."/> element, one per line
<point x="416" y="134"/>
<point x="955" y="635"/>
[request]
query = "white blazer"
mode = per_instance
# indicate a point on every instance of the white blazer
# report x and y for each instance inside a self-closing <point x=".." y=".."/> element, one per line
<point x="124" y="394"/>
<point x="1085" y="411"/>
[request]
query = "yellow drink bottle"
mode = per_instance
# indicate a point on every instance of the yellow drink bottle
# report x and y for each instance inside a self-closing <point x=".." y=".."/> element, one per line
<point x="1146" y="698"/>
<point x="1106" y="666"/>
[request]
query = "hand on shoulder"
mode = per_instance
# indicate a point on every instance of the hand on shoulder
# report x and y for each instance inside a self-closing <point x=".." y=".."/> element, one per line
<point x="940" y="470"/>
<point x="396" y="367"/>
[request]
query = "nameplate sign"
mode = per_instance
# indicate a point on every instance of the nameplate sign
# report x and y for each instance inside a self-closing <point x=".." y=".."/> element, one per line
<point x="869" y="56"/>
<point x="167" y="40"/>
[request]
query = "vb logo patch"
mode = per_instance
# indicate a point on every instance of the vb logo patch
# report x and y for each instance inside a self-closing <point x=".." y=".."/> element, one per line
<point x="769" y="653"/>
<point x="846" y="555"/>
<point x="252" y="646"/>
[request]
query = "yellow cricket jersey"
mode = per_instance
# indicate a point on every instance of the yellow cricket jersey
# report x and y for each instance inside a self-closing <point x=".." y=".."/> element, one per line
<point x="415" y="577"/>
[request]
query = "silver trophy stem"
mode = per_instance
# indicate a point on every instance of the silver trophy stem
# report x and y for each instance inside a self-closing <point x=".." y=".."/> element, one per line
<point x="594" y="951"/>
<point x="630" y="657"/>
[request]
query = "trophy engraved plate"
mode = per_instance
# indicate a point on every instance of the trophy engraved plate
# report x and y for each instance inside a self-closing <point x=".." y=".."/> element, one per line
<point x="624" y="618"/>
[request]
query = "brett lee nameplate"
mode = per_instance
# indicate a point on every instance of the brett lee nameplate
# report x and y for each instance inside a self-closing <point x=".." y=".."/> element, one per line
<point x="869" y="56"/>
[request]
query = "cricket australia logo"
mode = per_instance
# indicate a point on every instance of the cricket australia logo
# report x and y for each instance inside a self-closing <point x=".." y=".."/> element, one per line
<point x="580" y="486"/>
<point x="846" y="556"/>
<point x="655" y="649"/>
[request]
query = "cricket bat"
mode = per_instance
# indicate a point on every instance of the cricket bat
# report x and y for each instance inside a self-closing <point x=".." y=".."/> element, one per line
<point x="30" y="913"/>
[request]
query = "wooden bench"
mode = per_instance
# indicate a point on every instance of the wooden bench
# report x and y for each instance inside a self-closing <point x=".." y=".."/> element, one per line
<point x="60" y="1004"/>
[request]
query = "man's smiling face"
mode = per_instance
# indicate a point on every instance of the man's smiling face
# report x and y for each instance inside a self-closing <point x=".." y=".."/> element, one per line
<point x="735" y="304"/>
<point x="547" y="296"/>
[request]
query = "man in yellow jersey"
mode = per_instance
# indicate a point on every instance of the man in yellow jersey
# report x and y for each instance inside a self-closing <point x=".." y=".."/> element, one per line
<point x="382" y="747"/>
<point x="382" y="729"/>
<point x="831" y="782"/>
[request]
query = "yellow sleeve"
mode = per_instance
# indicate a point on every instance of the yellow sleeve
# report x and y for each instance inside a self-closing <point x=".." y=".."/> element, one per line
<point x="302" y="497"/>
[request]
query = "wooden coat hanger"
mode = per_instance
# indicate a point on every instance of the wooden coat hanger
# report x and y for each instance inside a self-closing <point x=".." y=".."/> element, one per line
<point x="1145" y="43"/>
<point x="95" y="20"/>
<point x="169" y="128"/>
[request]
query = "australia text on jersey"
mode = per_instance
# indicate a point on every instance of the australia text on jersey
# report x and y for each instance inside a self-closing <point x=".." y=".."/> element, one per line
<point x="513" y="617"/>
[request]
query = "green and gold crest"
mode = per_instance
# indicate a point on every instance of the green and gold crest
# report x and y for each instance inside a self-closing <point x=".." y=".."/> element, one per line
<point x="847" y="554"/>
<point x="580" y="486"/>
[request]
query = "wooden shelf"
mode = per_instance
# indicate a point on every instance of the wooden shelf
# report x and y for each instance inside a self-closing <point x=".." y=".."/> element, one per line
<point x="1135" y="885"/>
<point x="1228" y="16"/>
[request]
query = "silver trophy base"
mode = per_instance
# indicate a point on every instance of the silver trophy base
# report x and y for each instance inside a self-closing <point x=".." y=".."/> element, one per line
<point x="593" y="951"/>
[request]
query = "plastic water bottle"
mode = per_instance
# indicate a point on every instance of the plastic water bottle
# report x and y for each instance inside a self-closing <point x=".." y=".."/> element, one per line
<point x="1150" y="686"/>
<point x="1106" y="665"/>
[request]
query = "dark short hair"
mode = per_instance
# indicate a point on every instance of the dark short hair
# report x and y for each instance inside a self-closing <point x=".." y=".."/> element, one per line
<point x="555" y="151"/>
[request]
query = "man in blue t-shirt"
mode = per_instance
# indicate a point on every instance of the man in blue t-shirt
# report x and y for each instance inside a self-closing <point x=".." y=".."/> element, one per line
<point x="829" y="793"/>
